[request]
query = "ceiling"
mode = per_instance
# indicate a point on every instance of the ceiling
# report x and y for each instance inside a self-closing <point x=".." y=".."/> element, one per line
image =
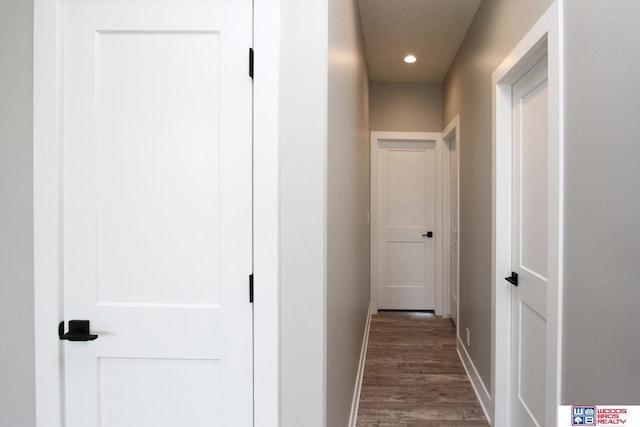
<point x="432" y="30"/>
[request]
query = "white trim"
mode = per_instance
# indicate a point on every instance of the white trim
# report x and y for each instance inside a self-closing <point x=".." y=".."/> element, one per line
<point x="453" y="126"/>
<point x="439" y="259"/>
<point x="266" y="222"/>
<point x="355" y="403"/>
<point x="452" y="131"/>
<point x="47" y="213"/>
<point x="544" y="38"/>
<point x="410" y="137"/>
<point x="474" y="377"/>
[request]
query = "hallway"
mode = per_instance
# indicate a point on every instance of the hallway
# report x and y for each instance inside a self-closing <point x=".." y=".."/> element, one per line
<point x="413" y="376"/>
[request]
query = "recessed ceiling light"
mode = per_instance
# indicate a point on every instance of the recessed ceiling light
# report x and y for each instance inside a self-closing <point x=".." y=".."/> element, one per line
<point x="410" y="59"/>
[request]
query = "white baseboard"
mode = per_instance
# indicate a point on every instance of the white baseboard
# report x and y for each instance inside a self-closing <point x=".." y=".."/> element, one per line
<point x="363" y="356"/>
<point x="484" y="397"/>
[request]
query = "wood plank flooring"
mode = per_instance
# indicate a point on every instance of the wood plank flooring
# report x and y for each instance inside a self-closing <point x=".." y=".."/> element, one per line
<point x="413" y="376"/>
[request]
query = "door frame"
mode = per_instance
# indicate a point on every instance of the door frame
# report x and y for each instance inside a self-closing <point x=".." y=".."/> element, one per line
<point x="452" y="131"/>
<point x="543" y="39"/>
<point x="47" y="213"/>
<point x="410" y="137"/>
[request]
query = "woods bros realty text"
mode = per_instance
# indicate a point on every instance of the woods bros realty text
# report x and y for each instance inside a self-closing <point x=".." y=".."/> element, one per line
<point x="598" y="415"/>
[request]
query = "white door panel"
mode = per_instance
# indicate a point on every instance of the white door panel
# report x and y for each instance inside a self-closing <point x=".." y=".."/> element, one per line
<point x="406" y="196"/>
<point x="157" y="212"/>
<point x="529" y="247"/>
<point x="163" y="382"/>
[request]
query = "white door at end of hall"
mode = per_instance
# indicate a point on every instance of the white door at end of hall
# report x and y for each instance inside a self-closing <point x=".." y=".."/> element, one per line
<point x="529" y="248"/>
<point x="157" y="212"/>
<point x="406" y="233"/>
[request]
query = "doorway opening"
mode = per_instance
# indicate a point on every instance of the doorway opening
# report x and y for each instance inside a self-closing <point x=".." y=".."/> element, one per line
<point x="541" y="45"/>
<point x="410" y="220"/>
<point x="405" y="225"/>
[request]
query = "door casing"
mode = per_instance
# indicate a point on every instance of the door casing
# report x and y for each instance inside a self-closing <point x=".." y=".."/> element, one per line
<point x="48" y="213"/>
<point x="451" y="132"/>
<point x="442" y="210"/>
<point x="543" y="39"/>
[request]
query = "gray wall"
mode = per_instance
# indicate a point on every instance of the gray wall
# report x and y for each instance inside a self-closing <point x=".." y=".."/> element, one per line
<point x="410" y="107"/>
<point x="601" y="341"/>
<point x="347" y="207"/>
<point x="303" y="151"/>
<point x="17" y="365"/>
<point x="496" y="29"/>
<point x="324" y="173"/>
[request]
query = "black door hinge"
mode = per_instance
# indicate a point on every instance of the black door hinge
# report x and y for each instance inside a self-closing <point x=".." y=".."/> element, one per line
<point x="251" y="62"/>
<point x="251" y="288"/>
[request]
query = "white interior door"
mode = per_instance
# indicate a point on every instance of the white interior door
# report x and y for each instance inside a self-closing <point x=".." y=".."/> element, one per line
<point x="157" y="212"/>
<point x="529" y="248"/>
<point x="454" y="212"/>
<point x="406" y="225"/>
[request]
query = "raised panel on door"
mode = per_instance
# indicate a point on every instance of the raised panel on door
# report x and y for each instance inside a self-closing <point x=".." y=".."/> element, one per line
<point x="157" y="212"/>
<point x="166" y="385"/>
<point x="529" y="246"/>
<point x="157" y="183"/>
<point x="407" y="211"/>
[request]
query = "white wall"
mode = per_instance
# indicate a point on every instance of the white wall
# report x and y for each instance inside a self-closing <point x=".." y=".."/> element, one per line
<point x="303" y="177"/>
<point x="497" y="27"/>
<point x="602" y="203"/>
<point x="409" y="107"/>
<point x="17" y="376"/>
<point x="347" y="207"/>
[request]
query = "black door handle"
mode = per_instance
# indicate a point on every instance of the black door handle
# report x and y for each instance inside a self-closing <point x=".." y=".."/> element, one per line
<point x="428" y="234"/>
<point x="513" y="279"/>
<point x="78" y="331"/>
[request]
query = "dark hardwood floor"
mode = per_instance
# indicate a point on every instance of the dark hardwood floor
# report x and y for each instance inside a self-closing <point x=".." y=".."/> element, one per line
<point x="413" y="376"/>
